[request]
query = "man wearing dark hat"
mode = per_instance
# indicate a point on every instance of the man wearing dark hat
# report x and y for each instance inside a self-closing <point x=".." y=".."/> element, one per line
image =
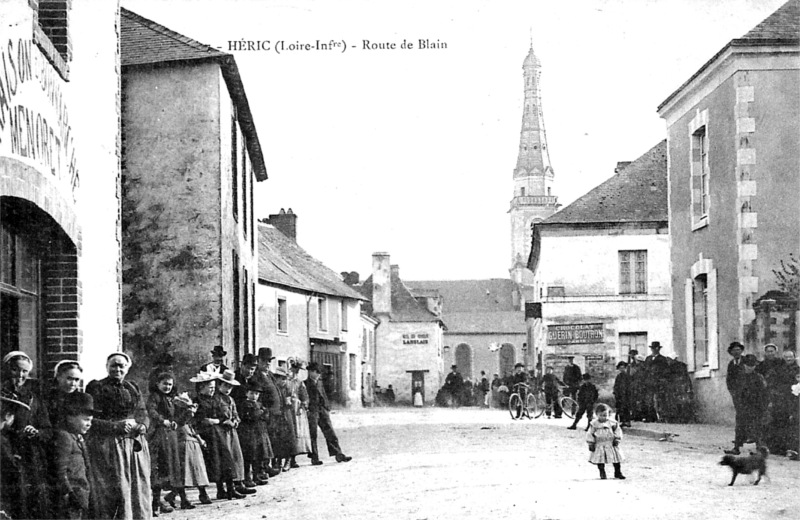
<point x="454" y="384"/>
<point x="753" y="402"/>
<point x="217" y="366"/>
<point x="572" y="377"/>
<point x="656" y="368"/>
<point x="71" y="458"/>
<point x="319" y="416"/>
<point x="246" y="371"/>
<point x="270" y="399"/>
<point x="734" y="374"/>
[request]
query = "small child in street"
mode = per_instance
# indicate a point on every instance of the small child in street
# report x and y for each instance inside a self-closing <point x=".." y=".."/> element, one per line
<point x="190" y="450"/>
<point x="603" y="437"/>
<point x="164" y="459"/>
<point x="253" y="435"/>
<point x="587" y="396"/>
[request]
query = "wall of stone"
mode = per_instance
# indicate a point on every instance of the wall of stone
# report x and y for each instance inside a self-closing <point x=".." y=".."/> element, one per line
<point x="394" y="359"/>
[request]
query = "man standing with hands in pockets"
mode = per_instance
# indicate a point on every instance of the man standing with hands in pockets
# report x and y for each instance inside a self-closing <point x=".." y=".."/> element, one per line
<point x="319" y="415"/>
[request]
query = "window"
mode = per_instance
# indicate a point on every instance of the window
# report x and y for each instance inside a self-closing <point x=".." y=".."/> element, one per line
<point x="20" y="292"/>
<point x="344" y="315"/>
<point x="234" y="168"/>
<point x="352" y="371"/>
<point x="237" y="312"/>
<point x="364" y="343"/>
<point x="700" y="320"/>
<point x="700" y="170"/>
<point x="283" y="317"/>
<point x="322" y="313"/>
<point x="252" y="213"/>
<point x="632" y="341"/>
<point x="633" y="272"/>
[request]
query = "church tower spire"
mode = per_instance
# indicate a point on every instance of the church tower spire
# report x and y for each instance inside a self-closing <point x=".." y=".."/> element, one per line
<point x="533" y="200"/>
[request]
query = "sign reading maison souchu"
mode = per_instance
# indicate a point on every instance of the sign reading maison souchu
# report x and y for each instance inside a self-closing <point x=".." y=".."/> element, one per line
<point x="575" y="334"/>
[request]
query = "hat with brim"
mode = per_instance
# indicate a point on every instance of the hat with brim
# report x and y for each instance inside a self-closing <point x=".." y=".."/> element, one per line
<point x="79" y="403"/>
<point x="13" y="403"/>
<point x="453" y="367"/>
<point x="519" y="365"/>
<point x="249" y="360"/>
<point x="218" y="351"/>
<point x="254" y="386"/>
<point x="229" y="377"/>
<point x="280" y="371"/>
<point x="655" y="345"/>
<point x="265" y="354"/>
<point x="735" y="344"/>
<point x="204" y="377"/>
<point x="313" y="367"/>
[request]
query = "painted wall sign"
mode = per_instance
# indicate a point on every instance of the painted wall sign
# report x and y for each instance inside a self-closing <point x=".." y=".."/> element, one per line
<point x="575" y="334"/>
<point x="34" y="120"/>
<point x="415" y="339"/>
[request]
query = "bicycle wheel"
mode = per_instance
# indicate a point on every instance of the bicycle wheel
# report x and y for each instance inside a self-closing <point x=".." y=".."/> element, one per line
<point x="515" y="406"/>
<point x="569" y="406"/>
<point x="534" y="406"/>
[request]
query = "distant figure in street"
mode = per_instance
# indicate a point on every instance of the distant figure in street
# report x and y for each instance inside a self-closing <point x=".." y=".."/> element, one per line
<point x="753" y="402"/>
<point x="571" y="377"/>
<point x="217" y="366"/>
<point x="656" y="367"/>
<point x="603" y="436"/>
<point x="622" y="394"/>
<point x="453" y="385"/>
<point x="587" y="397"/>
<point x="496" y="384"/>
<point x="550" y="384"/>
<point x="484" y="386"/>
<point x="389" y="395"/>
<point x="319" y="417"/>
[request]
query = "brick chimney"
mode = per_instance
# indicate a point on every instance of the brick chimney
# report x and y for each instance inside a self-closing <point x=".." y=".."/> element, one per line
<point x="285" y="222"/>
<point x="381" y="284"/>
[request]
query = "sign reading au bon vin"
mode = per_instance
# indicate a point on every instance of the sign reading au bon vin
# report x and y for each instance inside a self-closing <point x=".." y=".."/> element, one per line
<point x="575" y="334"/>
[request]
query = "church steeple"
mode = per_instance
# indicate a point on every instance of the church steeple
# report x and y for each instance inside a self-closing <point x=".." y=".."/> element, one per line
<point x="533" y="200"/>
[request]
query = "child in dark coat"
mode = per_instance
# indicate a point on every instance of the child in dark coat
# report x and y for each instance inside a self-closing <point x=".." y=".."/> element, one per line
<point x="253" y="435"/>
<point x="70" y="457"/>
<point x="587" y="396"/>
<point x="163" y="439"/>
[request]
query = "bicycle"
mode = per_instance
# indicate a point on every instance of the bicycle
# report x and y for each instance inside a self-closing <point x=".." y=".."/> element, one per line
<point x="569" y="406"/>
<point x="519" y="406"/>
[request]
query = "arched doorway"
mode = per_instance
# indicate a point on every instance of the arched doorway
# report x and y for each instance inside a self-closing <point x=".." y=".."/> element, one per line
<point x="464" y="360"/>
<point x="507" y="359"/>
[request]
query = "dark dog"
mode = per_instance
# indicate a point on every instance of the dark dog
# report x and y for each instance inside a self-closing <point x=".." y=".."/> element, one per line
<point x="747" y="464"/>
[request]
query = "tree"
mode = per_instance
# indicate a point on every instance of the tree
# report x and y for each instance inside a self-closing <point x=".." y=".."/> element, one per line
<point x="788" y="276"/>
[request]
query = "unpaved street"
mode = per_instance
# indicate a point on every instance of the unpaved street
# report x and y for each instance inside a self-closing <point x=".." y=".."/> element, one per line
<point x="469" y="463"/>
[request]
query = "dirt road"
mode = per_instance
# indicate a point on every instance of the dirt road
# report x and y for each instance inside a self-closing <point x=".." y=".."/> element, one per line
<point x="468" y="463"/>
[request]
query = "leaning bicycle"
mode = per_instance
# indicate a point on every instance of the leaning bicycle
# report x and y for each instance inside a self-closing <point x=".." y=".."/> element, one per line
<point x="522" y="403"/>
<point x="569" y="406"/>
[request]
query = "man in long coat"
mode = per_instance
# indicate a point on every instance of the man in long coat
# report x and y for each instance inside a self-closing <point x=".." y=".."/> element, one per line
<point x="572" y="377"/>
<point x="319" y="416"/>
<point x="271" y="401"/>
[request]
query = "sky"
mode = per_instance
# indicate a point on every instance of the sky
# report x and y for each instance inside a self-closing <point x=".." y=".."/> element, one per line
<point x="411" y="151"/>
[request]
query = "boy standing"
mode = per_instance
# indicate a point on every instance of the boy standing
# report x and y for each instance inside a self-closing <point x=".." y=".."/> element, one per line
<point x="587" y="396"/>
<point x="70" y="457"/>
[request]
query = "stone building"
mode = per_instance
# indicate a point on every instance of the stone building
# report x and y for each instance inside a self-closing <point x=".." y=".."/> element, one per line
<point x="191" y="156"/>
<point x="601" y="272"/>
<point x="734" y="175"/>
<point x="59" y="182"/>
<point x="306" y="311"/>
<point x="485" y="327"/>
<point x="409" y="336"/>
<point x="533" y="200"/>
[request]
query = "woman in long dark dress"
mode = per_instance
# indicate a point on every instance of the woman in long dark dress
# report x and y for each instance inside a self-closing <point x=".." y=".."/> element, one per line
<point x="284" y="444"/>
<point x="29" y="434"/>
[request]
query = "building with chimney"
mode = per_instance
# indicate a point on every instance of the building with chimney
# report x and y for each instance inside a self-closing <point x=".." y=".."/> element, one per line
<point x="60" y="258"/>
<point x="533" y="199"/>
<point x="734" y="177"/>
<point x="601" y="272"/>
<point x="305" y="311"/>
<point x="409" y="336"/>
<point x="191" y="156"/>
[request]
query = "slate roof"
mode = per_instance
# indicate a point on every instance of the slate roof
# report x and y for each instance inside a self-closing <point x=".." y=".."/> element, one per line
<point x="638" y="193"/>
<point x="780" y="28"/>
<point x="282" y="262"/>
<point x="145" y="43"/>
<point x="405" y="308"/>
<point x="476" y="306"/>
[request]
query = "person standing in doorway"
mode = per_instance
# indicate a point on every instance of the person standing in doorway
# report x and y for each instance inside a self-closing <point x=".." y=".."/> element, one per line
<point x="319" y="417"/>
<point x="572" y="377"/>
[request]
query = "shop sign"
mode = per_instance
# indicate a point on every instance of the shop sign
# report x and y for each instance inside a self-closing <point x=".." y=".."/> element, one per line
<point x="420" y="338"/>
<point x="34" y="119"/>
<point x="575" y="334"/>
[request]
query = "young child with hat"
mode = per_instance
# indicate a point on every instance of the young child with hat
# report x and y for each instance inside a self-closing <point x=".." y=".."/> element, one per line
<point x="192" y="471"/>
<point x="70" y="458"/>
<point x="253" y="435"/>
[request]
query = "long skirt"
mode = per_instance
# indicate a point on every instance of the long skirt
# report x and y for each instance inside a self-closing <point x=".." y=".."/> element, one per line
<point x="120" y="477"/>
<point x="165" y="459"/>
<point x="224" y="461"/>
<point x="281" y="434"/>
<point x="255" y="442"/>
<point x="193" y="466"/>
<point x="303" y="444"/>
